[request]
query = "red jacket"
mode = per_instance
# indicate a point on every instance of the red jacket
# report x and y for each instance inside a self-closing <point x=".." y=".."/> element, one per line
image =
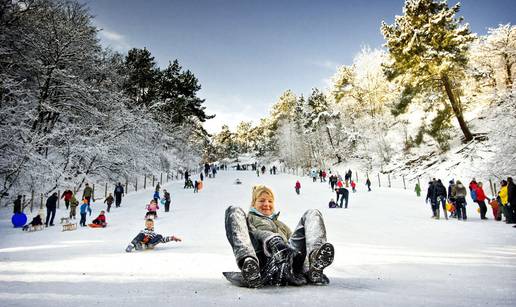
<point x="101" y="218"/>
<point x="481" y="196"/>
<point x="298" y="185"/>
<point x="67" y="195"/>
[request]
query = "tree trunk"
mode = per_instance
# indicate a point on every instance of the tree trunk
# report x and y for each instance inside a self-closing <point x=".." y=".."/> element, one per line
<point x="339" y="158"/>
<point x="456" y="108"/>
<point x="508" y="65"/>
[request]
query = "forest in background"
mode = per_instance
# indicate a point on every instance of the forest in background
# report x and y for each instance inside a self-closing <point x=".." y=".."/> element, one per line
<point x="73" y="111"/>
<point x="435" y="93"/>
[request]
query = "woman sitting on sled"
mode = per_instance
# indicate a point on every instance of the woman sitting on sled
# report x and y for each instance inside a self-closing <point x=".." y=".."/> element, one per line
<point x="269" y="253"/>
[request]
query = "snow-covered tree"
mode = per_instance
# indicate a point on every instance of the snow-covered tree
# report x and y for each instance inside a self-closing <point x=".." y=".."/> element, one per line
<point x="428" y="47"/>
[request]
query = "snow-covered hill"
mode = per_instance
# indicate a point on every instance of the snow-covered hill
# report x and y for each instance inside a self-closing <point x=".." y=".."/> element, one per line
<point x="389" y="252"/>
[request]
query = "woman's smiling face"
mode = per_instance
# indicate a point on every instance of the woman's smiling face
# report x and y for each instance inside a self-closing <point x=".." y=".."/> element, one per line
<point x="265" y="204"/>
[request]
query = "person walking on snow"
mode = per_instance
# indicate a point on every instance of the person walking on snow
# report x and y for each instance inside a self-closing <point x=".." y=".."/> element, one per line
<point x="353" y="186"/>
<point x="119" y="192"/>
<point x="166" y="196"/>
<point x="67" y="195"/>
<point x="418" y="189"/>
<point x="88" y="194"/>
<point x="73" y="207"/>
<point x="460" y="200"/>
<point x="368" y="184"/>
<point x="109" y="201"/>
<point x="84" y="208"/>
<point x="298" y="187"/>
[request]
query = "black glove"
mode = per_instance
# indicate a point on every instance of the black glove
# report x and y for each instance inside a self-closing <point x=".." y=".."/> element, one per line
<point x="278" y="270"/>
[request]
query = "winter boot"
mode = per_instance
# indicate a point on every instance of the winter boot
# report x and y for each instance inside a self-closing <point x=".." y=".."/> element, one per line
<point x="251" y="272"/>
<point x="129" y="248"/>
<point x="138" y="246"/>
<point x="320" y="258"/>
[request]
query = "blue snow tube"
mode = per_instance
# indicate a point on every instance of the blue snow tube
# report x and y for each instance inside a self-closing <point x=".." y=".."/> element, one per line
<point x="19" y="219"/>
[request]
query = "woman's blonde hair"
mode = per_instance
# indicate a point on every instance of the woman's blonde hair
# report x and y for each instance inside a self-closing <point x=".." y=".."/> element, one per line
<point x="258" y="190"/>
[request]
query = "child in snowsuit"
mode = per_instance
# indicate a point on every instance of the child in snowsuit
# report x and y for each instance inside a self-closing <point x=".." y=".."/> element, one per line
<point x="100" y="220"/>
<point x="152" y="209"/>
<point x="84" y="208"/>
<point x="109" y="201"/>
<point x="353" y="186"/>
<point x="196" y="187"/>
<point x="36" y="221"/>
<point x="149" y="238"/>
<point x="73" y="206"/>
<point x="156" y="196"/>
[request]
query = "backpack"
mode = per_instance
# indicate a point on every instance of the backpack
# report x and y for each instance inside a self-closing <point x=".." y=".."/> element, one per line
<point x="473" y="194"/>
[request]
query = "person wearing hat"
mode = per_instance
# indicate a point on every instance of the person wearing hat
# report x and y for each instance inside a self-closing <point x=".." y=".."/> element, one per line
<point x="268" y="252"/>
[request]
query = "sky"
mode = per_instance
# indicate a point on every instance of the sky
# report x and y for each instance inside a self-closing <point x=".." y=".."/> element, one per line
<point x="247" y="53"/>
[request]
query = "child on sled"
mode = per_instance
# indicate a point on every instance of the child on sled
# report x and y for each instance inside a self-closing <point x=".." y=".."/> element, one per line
<point x="152" y="209"/>
<point x="148" y="238"/>
<point x="100" y="220"/>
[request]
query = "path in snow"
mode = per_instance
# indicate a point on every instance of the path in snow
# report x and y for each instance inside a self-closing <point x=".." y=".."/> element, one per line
<point x="389" y="252"/>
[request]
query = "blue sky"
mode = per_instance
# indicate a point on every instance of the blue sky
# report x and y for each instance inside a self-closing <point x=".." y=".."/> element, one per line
<point x="246" y="53"/>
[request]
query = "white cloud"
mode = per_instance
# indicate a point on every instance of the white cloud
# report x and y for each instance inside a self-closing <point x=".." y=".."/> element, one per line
<point x="114" y="40"/>
<point x="327" y="64"/>
<point x="231" y="111"/>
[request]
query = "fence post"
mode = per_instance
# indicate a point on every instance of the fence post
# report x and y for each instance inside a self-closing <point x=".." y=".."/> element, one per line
<point x="23" y="203"/>
<point x="491" y="185"/>
<point x="161" y="177"/>
<point x="144" y="182"/>
<point x="93" y="192"/>
<point x="153" y="180"/>
<point x="404" y="185"/>
<point x="135" y="185"/>
<point x="167" y="176"/>
<point x="32" y="200"/>
<point x="126" y="185"/>
<point x="105" y="191"/>
<point x="389" y="178"/>
<point x="379" y="183"/>
<point x="41" y="203"/>
<point x="58" y="198"/>
<point x="494" y="184"/>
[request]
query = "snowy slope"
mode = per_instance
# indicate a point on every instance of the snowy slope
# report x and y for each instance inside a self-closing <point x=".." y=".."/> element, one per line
<point x="388" y="253"/>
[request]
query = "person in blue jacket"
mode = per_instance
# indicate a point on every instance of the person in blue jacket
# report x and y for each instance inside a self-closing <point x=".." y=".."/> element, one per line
<point x="84" y="208"/>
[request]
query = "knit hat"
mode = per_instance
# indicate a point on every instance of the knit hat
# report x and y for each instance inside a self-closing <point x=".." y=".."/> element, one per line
<point x="258" y="190"/>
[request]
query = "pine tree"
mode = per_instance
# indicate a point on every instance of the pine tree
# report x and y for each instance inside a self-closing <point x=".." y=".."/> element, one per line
<point x="428" y="47"/>
<point x="142" y="77"/>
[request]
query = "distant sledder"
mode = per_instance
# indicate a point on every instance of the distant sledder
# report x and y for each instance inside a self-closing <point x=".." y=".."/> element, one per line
<point x="269" y="253"/>
<point x="148" y="239"/>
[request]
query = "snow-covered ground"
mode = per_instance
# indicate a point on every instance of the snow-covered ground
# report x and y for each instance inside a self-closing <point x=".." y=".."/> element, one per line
<point x="389" y="252"/>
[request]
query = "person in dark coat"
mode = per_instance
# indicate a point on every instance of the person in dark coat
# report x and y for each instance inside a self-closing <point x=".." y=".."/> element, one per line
<point x="119" y="192"/>
<point x="109" y="201"/>
<point x="51" y="209"/>
<point x="511" y="198"/>
<point x="440" y="191"/>
<point x="166" y="196"/>
<point x="18" y="205"/>
<point x="343" y="193"/>
<point x="431" y="196"/>
<point x="368" y="184"/>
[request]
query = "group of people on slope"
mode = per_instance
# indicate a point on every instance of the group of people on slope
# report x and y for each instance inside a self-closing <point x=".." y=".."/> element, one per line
<point x="71" y="204"/>
<point x="453" y="199"/>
